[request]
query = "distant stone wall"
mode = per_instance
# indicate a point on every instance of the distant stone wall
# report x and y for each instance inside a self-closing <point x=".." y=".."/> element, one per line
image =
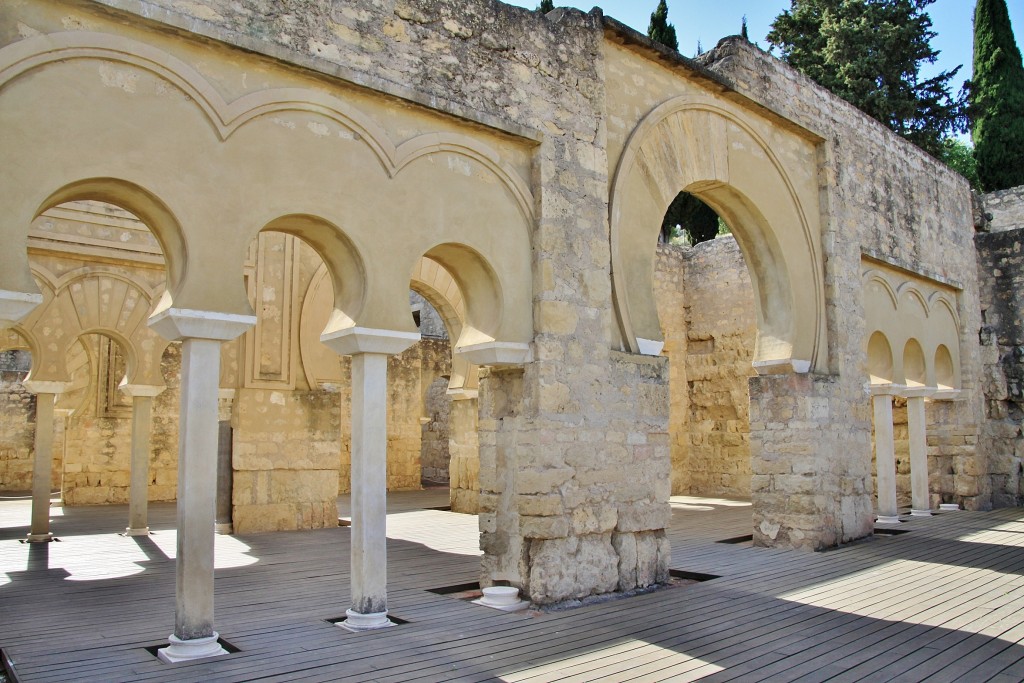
<point x="1001" y="275"/>
<point x="435" y="452"/>
<point x="97" y="458"/>
<point x="17" y="423"/>
<point x="706" y="305"/>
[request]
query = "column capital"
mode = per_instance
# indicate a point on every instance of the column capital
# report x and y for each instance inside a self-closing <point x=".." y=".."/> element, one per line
<point x="886" y="389"/>
<point x="354" y="340"/>
<point x="496" y="353"/>
<point x="14" y="306"/>
<point x="918" y="392"/>
<point x="43" y="386"/>
<point x="142" y="390"/>
<point x="187" y="323"/>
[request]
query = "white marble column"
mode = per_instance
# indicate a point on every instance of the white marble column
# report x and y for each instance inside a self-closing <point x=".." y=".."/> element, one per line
<point x="920" y="505"/>
<point x="142" y="428"/>
<point x="885" y="456"/>
<point x="42" y="468"/>
<point x="201" y="334"/>
<point x="369" y="350"/>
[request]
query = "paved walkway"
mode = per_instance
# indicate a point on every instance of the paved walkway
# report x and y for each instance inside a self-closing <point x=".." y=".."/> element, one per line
<point x="942" y="602"/>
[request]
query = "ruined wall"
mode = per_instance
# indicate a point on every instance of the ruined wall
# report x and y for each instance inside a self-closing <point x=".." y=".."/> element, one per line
<point x="17" y="423"/>
<point x="435" y="452"/>
<point x="464" y="452"/>
<point x="97" y="462"/>
<point x="706" y="307"/>
<point x="883" y="198"/>
<point x="1001" y="274"/>
<point x="720" y="331"/>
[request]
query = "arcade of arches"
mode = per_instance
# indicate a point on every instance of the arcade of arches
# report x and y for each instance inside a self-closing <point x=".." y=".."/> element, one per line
<point x="254" y="260"/>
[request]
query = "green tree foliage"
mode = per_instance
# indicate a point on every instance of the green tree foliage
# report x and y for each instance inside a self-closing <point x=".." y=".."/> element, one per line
<point x="959" y="156"/>
<point x="545" y="6"/>
<point x="997" y="99"/>
<point x="869" y="52"/>
<point x="695" y="218"/>
<point x="659" y="30"/>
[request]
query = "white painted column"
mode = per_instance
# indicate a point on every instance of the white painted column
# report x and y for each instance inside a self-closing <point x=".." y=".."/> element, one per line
<point x="201" y="333"/>
<point x="142" y="428"/>
<point x="916" y="424"/>
<point x="885" y="456"/>
<point x="369" y="488"/>
<point x="369" y="350"/>
<point x="42" y="467"/>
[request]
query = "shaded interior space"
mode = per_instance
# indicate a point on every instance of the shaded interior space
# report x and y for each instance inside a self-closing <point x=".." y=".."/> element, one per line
<point x="944" y="599"/>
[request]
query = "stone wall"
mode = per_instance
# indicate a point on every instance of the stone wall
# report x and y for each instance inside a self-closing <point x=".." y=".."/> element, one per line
<point x="435" y="451"/>
<point x="1006" y="208"/>
<point x="706" y="305"/>
<point x="17" y="423"/>
<point x="884" y="198"/>
<point x="97" y="458"/>
<point x="1001" y="275"/>
<point x="464" y="452"/>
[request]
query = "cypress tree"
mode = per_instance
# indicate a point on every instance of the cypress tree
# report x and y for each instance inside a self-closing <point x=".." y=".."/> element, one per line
<point x="545" y="6"/>
<point x="997" y="99"/>
<point x="659" y="30"/>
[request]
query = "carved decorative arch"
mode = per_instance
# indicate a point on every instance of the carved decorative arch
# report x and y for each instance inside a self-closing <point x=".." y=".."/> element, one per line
<point x="701" y="146"/>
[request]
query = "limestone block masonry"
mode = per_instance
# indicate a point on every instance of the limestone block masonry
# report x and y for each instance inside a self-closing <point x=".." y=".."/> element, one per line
<point x="1000" y="252"/>
<point x="511" y="168"/>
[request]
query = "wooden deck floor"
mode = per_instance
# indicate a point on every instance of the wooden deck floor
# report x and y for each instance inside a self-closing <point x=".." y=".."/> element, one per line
<point x="943" y="602"/>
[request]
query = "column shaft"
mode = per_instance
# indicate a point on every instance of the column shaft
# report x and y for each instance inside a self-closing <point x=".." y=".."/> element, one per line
<point x="142" y="428"/>
<point x="885" y="460"/>
<point x="42" y="470"/>
<point x="197" y="488"/>
<point x="369" y="490"/>
<point x="920" y="499"/>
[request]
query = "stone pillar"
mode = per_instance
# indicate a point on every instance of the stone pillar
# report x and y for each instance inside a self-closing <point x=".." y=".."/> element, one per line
<point x="885" y="455"/>
<point x="201" y="334"/>
<point x="920" y="497"/>
<point x="810" y="448"/>
<point x="464" y="449"/>
<point x="369" y="350"/>
<point x="142" y="429"/>
<point x="225" y="478"/>
<point x="42" y="471"/>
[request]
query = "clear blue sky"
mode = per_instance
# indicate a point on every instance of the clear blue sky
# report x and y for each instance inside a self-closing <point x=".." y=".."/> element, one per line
<point x="708" y="21"/>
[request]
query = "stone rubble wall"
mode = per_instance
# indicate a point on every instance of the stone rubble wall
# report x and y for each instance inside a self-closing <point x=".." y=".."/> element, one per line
<point x="464" y="452"/>
<point x="1001" y="274"/>
<point x="97" y="462"/>
<point x="1006" y="208"/>
<point x="434" y="434"/>
<point x="706" y="306"/>
<point x="884" y="198"/>
<point x="17" y="423"/>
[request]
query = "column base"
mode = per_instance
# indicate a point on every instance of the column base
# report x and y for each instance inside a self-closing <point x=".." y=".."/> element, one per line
<point x="39" y="538"/>
<point x="186" y="650"/>
<point x="886" y="519"/>
<point x="222" y="528"/>
<point x="144" y="531"/>
<point x="920" y="513"/>
<point x="355" y="621"/>
<point x="949" y="507"/>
